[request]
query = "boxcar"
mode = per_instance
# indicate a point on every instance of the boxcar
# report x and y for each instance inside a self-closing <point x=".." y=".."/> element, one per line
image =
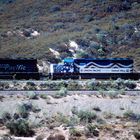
<point x="18" y="69"/>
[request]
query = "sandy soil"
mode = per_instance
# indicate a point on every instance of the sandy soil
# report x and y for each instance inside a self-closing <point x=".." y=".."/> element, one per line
<point x="51" y="106"/>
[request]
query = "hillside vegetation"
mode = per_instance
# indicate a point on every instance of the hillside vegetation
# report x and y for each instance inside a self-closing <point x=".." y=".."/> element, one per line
<point x="53" y="30"/>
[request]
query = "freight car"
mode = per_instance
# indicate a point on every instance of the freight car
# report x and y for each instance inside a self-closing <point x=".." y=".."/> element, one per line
<point x="97" y="68"/>
<point x="18" y="69"/>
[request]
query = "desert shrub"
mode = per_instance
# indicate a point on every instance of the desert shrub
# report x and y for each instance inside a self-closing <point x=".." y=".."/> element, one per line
<point x="20" y="127"/>
<point x="82" y="54"/>
<point x="24" y="109"/>
<point x="100" y="121"/>
<point x="32" y="95"/>
<point x="92" y="130"/>
<point x="94" y="45"/>
<point x="118" y="84"/>
<point x="4" y="85"/>
<point x="92" y="84"/>
<point x="101" y="52"/>
<point x="75" y="132"/>
<point x="61" y="93"/>
<point x="58" y="25"/>
<point x="43" y="96"/>
<point x="112" y="85"/>
<point x="86" y="116"/>
<point x="131" y="116"/>
<point x="6" y="116"/>
<point x="43" y="86"/>
<point x="30" y="86"/>
<point x="73" y="120"/>
<point x="61" y="118"/>
<point x="74" y="110"/>
<point x="104" y="85"/>
<point x="61" y="84"/>
<point x="73" y="85"/>
<point x="101" y="36"/>
<point x="52" y="85"/>
<point x="112" y="94"/>
<point x="130" y="84"/>
<point x="108" y="115"/>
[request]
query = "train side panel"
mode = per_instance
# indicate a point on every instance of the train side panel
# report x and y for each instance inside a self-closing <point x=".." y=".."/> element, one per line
<point x="103" y="66"/>
<point x="95" y="68"/>
<point x="18" y="69"/>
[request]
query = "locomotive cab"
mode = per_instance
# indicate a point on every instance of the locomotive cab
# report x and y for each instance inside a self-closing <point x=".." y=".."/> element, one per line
<point x="62" y="70"/>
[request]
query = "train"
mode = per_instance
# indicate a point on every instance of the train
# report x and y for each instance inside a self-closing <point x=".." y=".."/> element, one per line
<point x="19" y="69"/>
<point x="98" y="68"/>
<point x="70" y="68"/>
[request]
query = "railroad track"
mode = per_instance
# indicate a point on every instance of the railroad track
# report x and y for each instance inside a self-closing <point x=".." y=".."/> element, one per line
<point x="71" y="92"/>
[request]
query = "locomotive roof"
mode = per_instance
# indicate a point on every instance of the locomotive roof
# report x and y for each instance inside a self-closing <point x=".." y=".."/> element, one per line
<point x="70" y="60"/>
<point x="103" y="59"/>
<point x="18" y="59"/>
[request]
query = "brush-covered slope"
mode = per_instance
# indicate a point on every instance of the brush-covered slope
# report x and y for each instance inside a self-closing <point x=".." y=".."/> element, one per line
<point x="53" y="30"/>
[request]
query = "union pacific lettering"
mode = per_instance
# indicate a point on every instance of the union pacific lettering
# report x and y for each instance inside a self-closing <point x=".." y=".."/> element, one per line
<point x="7" y="67"/>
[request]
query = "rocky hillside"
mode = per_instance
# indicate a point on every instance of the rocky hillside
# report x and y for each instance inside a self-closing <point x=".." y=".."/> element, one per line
<point x="53" y="30"/>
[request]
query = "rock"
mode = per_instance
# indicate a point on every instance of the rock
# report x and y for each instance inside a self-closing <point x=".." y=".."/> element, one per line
<point x="137" y="135"/>
<point x="88" y="18"/>
<point x="26" y="33"/>
<point x="55" y="8"/>
<point x="96" y="108"/>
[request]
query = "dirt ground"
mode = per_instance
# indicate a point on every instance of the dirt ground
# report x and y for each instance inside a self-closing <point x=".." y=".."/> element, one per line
<point x="108" y="108"/>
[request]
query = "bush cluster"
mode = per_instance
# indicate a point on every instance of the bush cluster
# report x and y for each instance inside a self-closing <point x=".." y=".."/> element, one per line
<point x="18" y="123"/>
<point x="86" y="116"/>
<point x="20" y="127"/>
<point x="91" y="84"/>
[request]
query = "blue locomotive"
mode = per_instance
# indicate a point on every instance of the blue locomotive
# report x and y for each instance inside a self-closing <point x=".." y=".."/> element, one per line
<point x="99" y="68"/>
